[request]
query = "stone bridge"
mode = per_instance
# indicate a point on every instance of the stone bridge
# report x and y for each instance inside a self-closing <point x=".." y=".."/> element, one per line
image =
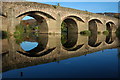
<point x="52" y="16"/>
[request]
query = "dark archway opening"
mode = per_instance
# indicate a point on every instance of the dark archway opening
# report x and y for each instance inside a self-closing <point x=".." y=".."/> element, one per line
<point x="93" y="27"/>
<point x="109" y="39"/>
<point x="69" y="30"/>
<point x="110" y="26"/>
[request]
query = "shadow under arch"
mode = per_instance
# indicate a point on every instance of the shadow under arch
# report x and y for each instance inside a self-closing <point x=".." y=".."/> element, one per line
<point x="93" y="27"/>
<point x="69" y="30"/>
<point x="111" y="27"/>
<point x="110" y="38"/>
<point x="77" y="18"/>
<point x="93" y="41"/>
<point x="42" y="53"/>
<point x="40" y="12"/>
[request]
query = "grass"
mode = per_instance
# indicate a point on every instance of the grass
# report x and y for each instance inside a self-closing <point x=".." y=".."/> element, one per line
<point x="55" y="6"/>
<point x="85" y="33"/>
<point x="106" y="32"/>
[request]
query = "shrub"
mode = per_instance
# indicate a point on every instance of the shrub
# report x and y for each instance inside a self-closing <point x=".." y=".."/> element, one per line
<point x="64" y="27"/>
<point x="86" y="33"/>
<point x="19" y="30"/>
<point x="55" y="6"/>
<point x="99" y="32"/>
<point x="106" y="32"/>
<point x="64" y="38"/>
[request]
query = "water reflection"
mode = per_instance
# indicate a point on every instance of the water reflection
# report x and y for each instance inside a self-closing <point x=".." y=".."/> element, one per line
<point x="35" y="48"/>
<point x="35" y="45"/>
<point x="27" y="46"/>
<point x="69" y="40"/>
<point x="96" y="39"/>
<point x="110" y="38"/>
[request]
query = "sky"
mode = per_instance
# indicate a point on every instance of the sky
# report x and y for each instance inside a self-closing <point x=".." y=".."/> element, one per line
<point x="95" y="7"/>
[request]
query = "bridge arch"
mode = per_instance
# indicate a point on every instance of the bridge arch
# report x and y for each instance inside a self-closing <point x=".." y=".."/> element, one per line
<point x="41" y="19"/>
<point x="94" y="26"/>
<point x="35" y="11"/>
<point x="38" y="50"/>
<point x="75" y="16"/>
<point x="69" y="30"/>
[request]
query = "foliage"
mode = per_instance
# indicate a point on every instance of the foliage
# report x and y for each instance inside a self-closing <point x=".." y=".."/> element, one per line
<point x="106" y="32"/>
<point x="64" y="38"/>
<point x="63" y="32"/>
<point x="85" y="33"/>
<point x="36" y="28"/>
<point x="19" y="38"/>
<point x="55" y="6"/>
<point x="23" y="28"/>
<point x="19" y="29"/>
<point x="64" y="27"/>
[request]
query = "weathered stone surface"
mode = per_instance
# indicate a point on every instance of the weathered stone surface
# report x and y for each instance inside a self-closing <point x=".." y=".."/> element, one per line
<point x="13" y="12"/>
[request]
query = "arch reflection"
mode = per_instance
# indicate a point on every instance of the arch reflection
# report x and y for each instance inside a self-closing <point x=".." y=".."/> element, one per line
<point x="15" y="60"/>
<point x="32" y="21"/>
<point x="94" y="25"/>
<point x="96" y="40"/>
<point x="111" y="27"/>
<point x="110" y="38"/>
<point x="27" y="46"/>
<point x="34" y="45"/>
<point x="69" y="31"/>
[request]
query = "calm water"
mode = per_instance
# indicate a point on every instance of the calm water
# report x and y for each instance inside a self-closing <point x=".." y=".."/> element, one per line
<point x="47" y="56"/>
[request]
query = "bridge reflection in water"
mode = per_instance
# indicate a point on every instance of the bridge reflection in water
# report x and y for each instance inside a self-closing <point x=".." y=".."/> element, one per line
<point x="50" y="48"/>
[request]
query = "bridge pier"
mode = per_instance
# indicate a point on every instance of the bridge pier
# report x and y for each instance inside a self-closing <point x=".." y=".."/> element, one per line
<point x="11" y="21"/>
<point x="54" y="26"/>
